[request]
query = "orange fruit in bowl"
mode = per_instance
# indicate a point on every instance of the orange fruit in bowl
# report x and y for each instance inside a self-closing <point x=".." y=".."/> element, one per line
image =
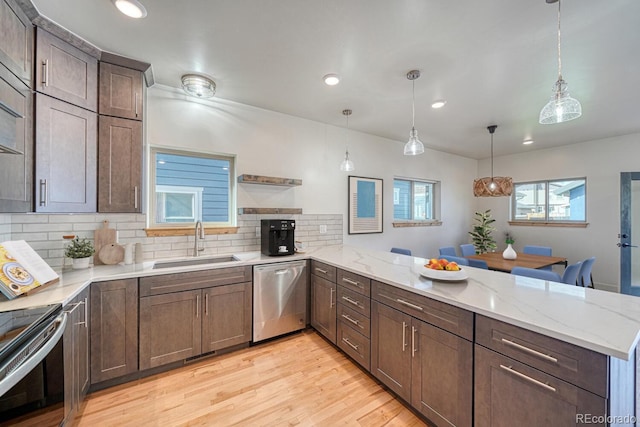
<point x="452" y="266"/>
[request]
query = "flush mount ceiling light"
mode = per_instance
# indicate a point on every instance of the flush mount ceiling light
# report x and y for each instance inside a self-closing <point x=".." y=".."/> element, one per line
<point x="527" y="142"/>
<point x="331" y="79"/>
<point x="562" y="107"/>
<point x="493" y="186"/>
<point x="414" y="146"/>
<point x="347" y="164"/>
<point x="199" y="86"/>
<point x="131" y="8"/>
<point x="438" y="104"/>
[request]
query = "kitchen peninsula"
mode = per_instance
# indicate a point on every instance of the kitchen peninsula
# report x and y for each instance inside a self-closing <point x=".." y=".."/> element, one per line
<point x="552" y="342"/>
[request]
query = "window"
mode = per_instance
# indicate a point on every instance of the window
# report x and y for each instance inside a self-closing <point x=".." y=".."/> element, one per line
<point x="190" y="187"/>
<point x="413" y="200"/>
<point x="550" y="201"/>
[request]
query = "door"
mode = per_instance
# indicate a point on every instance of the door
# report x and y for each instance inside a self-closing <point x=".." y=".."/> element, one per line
<point x="120" y="92"/>
<point x="323" y="307"/>
<point x="227" y="316"/>
<point x="629" y="233"/>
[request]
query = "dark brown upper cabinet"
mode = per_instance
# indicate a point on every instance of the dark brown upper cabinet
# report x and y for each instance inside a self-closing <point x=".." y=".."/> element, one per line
<point x="120" y="92"/>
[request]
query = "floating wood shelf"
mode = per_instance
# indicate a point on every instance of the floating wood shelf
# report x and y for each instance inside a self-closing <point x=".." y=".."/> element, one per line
<point x="262" y="211"/>
<point x="269" y="180"/>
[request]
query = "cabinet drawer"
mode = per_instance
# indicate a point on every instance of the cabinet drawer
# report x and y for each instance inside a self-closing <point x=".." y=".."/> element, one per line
<point x="356" y="320"/>
<point x="577" y="365"/>
<point x="177" y="282"/>
<point x="355" y="282"/>
<point x="356" y="345"/>
<point x="323" y="270"/>
<point x="445" y="316"/>
<point x="354" y="301"/>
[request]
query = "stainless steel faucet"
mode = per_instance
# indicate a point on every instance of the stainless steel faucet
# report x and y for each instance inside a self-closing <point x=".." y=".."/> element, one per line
<point x="196" y="248"/>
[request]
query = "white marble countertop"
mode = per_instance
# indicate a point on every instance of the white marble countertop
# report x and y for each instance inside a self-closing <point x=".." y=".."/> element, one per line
<point x="605" y="322"/>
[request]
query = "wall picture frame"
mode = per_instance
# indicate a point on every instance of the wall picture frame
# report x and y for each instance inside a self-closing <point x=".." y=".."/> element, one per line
<point x="365" y="205"/>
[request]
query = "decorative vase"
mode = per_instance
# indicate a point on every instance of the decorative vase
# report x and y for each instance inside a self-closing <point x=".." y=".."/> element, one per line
<point x="79" y="263"/>
<point x="509" y="253"/>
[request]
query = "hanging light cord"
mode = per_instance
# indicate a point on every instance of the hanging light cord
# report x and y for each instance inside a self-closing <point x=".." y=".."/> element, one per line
<point x="413" y="104"/>
<point x="559" y="55"/>
<point x="492" y="157"/>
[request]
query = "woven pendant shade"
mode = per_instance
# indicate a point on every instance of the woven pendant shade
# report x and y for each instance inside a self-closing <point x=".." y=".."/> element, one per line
<point x="503" y="186"/>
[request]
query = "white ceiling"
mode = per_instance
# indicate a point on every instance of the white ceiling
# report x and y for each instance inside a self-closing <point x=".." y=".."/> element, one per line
<point x="494" y="61"/>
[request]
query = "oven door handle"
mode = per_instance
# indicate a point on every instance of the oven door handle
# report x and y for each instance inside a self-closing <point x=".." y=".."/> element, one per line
<point x="32" y="361"/>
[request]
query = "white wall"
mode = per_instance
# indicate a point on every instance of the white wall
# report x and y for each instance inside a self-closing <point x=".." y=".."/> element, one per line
<point x="274" y="144"/>
<point x="600" y="162"/>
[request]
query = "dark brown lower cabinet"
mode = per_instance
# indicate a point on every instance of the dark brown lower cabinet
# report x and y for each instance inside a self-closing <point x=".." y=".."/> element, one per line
<point x="180" y="325"/>
<point x="509" y="393"/>
<point x="323" y="307"/>
<point x="114" y="329"/>
<point x="76" y="355"/>
<point x="426" y="366"/>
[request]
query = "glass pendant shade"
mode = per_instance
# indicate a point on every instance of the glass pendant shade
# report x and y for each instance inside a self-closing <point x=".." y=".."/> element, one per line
<point x="347" y="164"/>
<point x="414" y="146"/>
<point x="562" y="107"/>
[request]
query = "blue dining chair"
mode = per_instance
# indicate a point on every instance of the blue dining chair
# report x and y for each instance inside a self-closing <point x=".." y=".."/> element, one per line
<point x="477" y="263"/>
<point x="570" y="275"/>
<point x="457" y="259"/>
<point x="401" y="251"/>
<point x="538" y="250"/>
<point x="536" y="273"/>
<point x="584" y="277"/>
<point x="448" y="251"/>
<point x="467" y="249"/>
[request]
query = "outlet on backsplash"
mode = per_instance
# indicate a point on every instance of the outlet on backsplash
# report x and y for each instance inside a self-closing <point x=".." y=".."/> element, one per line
<point x="323" y="229"/>
<point x="257" y="231"/>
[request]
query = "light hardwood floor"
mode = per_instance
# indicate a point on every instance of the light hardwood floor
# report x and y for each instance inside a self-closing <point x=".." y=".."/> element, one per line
<point x="299" y="380"/>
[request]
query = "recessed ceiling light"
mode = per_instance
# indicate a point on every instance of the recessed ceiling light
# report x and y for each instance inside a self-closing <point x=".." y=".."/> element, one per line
<point x="331" y="79"/>
<point x="131" y="8"/>
<point x="438" y="104"/>
<point x="527" y="142"/>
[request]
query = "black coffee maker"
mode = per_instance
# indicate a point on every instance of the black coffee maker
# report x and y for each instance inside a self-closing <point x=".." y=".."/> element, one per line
<point x="277" y="236"/>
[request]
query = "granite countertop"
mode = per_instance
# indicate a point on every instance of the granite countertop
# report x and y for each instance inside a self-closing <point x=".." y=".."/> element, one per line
<point x="605" y="322"/>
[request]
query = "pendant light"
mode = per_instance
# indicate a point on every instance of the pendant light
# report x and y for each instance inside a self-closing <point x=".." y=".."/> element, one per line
<point x="562" y="107"/>
<point x="347" y="164"/>
<point x="493" y="186"/>
<point x="414" y="146"/>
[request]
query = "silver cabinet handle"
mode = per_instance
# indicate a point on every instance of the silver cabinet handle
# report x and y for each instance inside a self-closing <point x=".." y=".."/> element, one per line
<point x="408" y="304"/>
<point x="321" y="270"/>
<point x="43" y="192"/>
<point x="86" y="312"/>
<point x="135" y="197"/>
<point x="350" y="344"/>
<point x="352" y="282"/>
<point x="413" y="341"/>
<point x="351" y="301"/>
<point x="206" y="304"/>
<point x="197" y="306"/>
<point x="45" y="73"/>
<point x="528" y="378"/>
<point x="331" y="297"/>
<point x="354" y="321"/>
<point x="404" y="336"/>
<point x="530" y="350"/>
<point x="136" y="104"/>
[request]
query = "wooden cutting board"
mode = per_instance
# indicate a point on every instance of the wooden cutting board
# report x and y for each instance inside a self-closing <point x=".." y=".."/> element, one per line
<point x="102" y="237"/>
<point x="111" y="254"/>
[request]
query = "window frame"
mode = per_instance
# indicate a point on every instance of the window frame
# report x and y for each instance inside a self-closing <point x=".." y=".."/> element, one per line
<point x="435" y="203"/>
<point x="545" y="221"/>
<point x="152" y="199"/>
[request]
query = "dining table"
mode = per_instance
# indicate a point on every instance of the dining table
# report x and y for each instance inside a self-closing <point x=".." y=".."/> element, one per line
<point x="496" y="262"/>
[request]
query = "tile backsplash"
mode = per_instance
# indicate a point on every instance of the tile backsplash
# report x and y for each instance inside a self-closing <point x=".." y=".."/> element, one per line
<point x="44" y="233"/>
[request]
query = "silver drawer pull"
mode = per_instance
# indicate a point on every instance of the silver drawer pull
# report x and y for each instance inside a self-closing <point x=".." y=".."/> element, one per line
<point x="527" y="378"/>
<point x="350" y="344"/>
<point x="351" y="301"/>
<point x="352" y="282"/>
<point x="321" y="270"/>
<point x="530" y="351"/>
<point x="354" y="321"/>
<point x="408" y="304"/>
<point x="413" y="341"/>
<point x="404" y="336"/>
<point x="45" y="73"/>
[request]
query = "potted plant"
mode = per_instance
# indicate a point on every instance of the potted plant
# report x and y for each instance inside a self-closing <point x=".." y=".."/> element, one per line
<point x="481" y="234"/>
<point x="80" y="251"/>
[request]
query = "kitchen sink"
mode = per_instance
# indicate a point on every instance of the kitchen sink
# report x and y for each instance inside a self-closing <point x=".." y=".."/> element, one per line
<point x="195" y="261"/>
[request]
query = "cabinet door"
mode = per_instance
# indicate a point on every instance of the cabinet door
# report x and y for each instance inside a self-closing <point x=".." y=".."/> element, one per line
<point x="120" y="92"/>
<point x="510" y="393"/>
<point x="16" y="43"/>
<point x="114" y="329"/>
<point x="66" y="157"/>
<point x="323" y="307"/>
<point x="227" y="316"/>
<point x="391" y="348"/>
<point x="119" y="165"/>
<point x="170" y="328"/>
<point x="76" y="352"/>
<point x="16" y="131"/>
<point x="82" y="342"/>
<point x="65" y="72"/>
<point x="442" y="375"/>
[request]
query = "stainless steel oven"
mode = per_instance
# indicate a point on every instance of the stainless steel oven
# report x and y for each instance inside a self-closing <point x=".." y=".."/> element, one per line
<point x="31" y="362"/>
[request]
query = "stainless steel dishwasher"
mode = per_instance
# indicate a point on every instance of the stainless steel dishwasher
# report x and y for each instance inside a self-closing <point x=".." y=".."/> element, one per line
<point x="279" y="298"/>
